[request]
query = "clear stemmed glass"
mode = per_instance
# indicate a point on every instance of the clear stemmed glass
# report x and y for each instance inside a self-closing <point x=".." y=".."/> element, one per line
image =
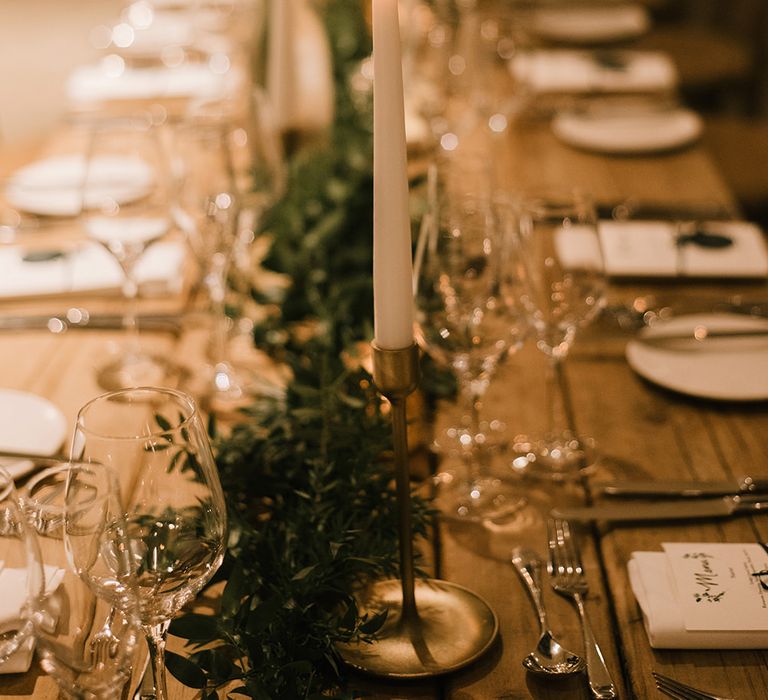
<point x="563" y="271"/>
<point x="21" y="579"/>
<point x="86" y="643"/>
<point x="467" y="318"/>
<point x="207" y="209"/>
<point x="126" y="208"/>
<point x="167" y="538"/>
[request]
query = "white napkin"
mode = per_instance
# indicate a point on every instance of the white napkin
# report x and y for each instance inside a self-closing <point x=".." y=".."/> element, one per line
<point x="590" y="24"/>
<point x="648" y="249"/>
<point x="109" y="80"/>
<point x="13" y="591"/>
<point x="90" y="268"/>
<point x="565" y="70"/>
<point x="667" y="623"/>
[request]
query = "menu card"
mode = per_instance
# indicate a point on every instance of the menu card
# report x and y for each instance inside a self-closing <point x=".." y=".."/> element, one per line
<point x="716" y="588"/>
<point x="703" y="595"/>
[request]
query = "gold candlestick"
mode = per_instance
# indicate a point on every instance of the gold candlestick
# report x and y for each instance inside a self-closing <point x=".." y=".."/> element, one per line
<point x="432" y="627"/>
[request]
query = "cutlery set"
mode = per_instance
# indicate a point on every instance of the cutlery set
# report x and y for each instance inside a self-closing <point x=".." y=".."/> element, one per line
<point x="566" y="571"/>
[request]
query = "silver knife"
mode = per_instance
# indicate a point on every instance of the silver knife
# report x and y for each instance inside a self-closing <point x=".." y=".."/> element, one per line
<point x="668" y="510"/>
<point x="690" y="341"/>
<point x="681" y="488"/>
<point x="59" y="323"/>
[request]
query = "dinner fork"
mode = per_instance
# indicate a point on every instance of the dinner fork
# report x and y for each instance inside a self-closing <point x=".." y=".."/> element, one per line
<point x="568" y="579"/>
<point x="681" y="691"/>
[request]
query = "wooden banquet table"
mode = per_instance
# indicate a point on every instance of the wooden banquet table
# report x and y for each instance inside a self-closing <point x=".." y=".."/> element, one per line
<point x="642" y="432"/>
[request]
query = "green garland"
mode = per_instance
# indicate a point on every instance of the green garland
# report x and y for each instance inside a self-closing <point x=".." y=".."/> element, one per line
<point x="311" y="504"/>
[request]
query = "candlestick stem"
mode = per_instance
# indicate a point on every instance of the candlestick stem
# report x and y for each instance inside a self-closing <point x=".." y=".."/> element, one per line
<point x="432" y="627"/>
<point x="395" y="375"/>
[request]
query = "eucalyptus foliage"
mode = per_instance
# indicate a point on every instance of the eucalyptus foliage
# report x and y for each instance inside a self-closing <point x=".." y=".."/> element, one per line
<point x="310" y="496"/>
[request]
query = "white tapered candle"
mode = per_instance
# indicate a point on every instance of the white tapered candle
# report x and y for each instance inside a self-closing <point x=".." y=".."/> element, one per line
<point x="392" y="266"/>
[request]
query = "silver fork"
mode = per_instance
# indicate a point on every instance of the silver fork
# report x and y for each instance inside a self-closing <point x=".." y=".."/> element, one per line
<point x="681" y="691"/>
<point x="568" y="579"/>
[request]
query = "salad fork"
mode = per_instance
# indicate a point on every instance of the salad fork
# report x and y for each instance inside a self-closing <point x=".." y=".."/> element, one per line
<point x="568" y="579"/>
<point x="681" y="691"/>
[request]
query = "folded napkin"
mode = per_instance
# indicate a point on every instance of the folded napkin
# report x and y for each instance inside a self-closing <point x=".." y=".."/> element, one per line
<point x="649" y="249"/>
<point x="702" y="595"/>
<point x="566" y="70"/>
<point x="590" y="24"/>
<point x="106" y="81"/>
<point x="13" y="592"/>
<point x="90" y="268"/>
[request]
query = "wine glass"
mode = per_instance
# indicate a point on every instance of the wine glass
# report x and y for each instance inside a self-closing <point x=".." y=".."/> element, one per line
<point x="167" y="538"/>
<point x="229" y="170"/>
<point x="206" y="209"/>
<point x="21" y="580"/>
<point x="562" y="267"/>
<point x="86" y="643"/>
<point x="467" y="318"/>
<point x="125" y="207"/>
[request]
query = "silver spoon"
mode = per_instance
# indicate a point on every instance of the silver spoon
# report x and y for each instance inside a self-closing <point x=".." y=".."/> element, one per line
<point x="549" y="658"/>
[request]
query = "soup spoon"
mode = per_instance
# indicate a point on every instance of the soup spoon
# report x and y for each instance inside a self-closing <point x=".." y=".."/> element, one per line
<point x="549" y="657"/>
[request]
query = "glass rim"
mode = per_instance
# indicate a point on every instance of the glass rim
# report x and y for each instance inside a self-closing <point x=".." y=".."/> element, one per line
<point x="170" y="393"/>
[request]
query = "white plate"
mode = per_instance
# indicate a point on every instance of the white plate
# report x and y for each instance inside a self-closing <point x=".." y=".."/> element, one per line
<point x="28" y="423"/>
<point x="628" y="133"/>
<point x="590" y="25"/>
<point x="52" y="187"/>
<point x="726" y="369"/>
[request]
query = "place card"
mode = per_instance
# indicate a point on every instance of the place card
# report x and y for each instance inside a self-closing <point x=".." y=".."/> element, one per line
<point x="650" y="249"/>
<point x="702" y="595"/>
<point x="715" y="586"/>
<point x="90" y="268"/>
<point x="572" y="71"/>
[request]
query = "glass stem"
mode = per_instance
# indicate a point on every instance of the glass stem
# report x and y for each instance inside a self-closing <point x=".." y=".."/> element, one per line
<point x="156" y="636"/>
<point x="559" y="399"/>
<point x="131" y="295"/>
<point x="217" y="283"/>
<point x="474" y="391"/>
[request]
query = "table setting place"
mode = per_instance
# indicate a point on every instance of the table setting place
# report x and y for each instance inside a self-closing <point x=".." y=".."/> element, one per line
<point x="389" y="348"/>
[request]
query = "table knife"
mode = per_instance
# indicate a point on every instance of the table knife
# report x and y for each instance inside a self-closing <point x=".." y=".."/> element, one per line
<point x="668" y="509"/>
<point x="58" y="323"/>
<point x="681" y="488"/>
<point x="688" y="340"/>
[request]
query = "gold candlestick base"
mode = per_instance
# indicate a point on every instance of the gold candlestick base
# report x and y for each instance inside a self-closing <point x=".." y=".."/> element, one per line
<point x="432" y="627"/>
<point x="452" y="628"/>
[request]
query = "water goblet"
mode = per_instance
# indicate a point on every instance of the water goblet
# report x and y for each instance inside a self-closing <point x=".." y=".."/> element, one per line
<point x="86" y="643"/>
<point x="564" y="282"/>
<point x="21" y="580"/>
<point x="125" y="207"/>
<point x="166" y="538"/>
<point x="467" y="319"/>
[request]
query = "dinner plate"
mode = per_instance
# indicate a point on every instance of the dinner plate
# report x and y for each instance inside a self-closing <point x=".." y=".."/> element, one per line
<point x="52" y="187"/>
<point x="28" y="423"/>
<point x="618" y="132"/>
<point x="726" y="369"/>
<point x="590" y="25"/>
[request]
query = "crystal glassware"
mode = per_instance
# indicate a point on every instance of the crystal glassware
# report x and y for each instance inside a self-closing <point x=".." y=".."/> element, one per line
<point x="126" y="208"/>
<point x="85" y="642"/>
<point x="21" y="579"/>
<point x="564" y="282"/>
<point x="167" y="537"/>
<point x="467" y="318"/>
